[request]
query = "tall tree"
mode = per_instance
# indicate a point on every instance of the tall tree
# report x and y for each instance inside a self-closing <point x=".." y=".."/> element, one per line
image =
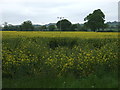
<point x="95" y="20"/>
<point x="27" y="26"/>
<point x="64" y="25"/>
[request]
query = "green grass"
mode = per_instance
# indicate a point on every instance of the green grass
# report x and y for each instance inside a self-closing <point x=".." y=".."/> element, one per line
<point x="108" y="80"/>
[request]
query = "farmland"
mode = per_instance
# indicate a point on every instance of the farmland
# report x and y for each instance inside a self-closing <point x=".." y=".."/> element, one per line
<point x="66" y="59"/>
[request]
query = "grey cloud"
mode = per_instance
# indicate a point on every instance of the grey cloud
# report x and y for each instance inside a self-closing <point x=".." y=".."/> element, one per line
<point x="48" y="10"/>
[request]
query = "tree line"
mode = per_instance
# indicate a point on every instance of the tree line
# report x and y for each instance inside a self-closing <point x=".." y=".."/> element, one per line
<point x="93" y="22"/>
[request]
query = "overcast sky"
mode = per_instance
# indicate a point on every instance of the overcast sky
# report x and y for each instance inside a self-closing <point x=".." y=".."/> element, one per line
<point x="47" y="11"/>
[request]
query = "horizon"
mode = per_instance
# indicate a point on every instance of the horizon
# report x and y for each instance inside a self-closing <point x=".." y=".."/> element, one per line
<point x="50" y="23"/>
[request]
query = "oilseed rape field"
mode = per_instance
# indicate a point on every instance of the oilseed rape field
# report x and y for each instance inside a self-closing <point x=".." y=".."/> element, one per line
<point x="60" y="54"/>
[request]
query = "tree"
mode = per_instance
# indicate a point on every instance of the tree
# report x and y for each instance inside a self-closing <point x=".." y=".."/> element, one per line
<point x="95" y="21"/>
<point x="64" y="25"/>
<point x="51" y="27"/>
<point x="10" y="27"/>
<point x="74" y="27"/>
<point x="105" y="26"/>
<point x="0" y="27"/>
<point x="43" y="28"/>
<point x="118" y="26"/>
<point x="27" y="26"/>
<point x="5" y="28"/>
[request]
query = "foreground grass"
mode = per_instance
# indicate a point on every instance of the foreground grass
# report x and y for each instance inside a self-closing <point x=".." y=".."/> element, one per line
<point x="108" y="80"/>
<point x="68" y="59"/>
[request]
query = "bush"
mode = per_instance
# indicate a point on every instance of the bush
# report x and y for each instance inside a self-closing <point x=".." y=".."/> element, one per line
<point x="62" y="42"/>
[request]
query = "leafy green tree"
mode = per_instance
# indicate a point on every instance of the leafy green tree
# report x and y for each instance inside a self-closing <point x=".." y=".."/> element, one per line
<point x="118" y="27"/>
<point x="74" y="27"/>
<point x="43" y="28"/>
<point x="0" y="27"/>
<point x="11" y="27"/>
<point x="5" y="28"/>
<point x="51" y="27"/>
<point x="64" y="25"/>
<point x="37" y="28"/>
<point x="27" y="26"/>
<point x="95" y="20"/>
<point x="105" y="26"/>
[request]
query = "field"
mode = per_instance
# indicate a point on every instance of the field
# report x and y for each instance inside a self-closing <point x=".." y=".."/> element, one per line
<point x="60" y="59"/>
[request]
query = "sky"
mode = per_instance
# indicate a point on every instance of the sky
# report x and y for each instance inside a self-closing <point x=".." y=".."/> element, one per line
<point x="119" y="11"/>
<point x="46" y="11"/>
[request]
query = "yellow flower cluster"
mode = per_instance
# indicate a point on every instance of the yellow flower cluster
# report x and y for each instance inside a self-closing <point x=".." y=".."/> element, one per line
<point x="32" y="54"/>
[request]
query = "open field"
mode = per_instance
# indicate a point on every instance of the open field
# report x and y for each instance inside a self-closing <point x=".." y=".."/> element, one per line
<point x="9" y="34"/>
<point x="60" y="59"/>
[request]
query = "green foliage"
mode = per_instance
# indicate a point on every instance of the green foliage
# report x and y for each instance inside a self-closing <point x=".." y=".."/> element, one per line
<point x="92" y="81"/>
<point x="61" y="42"/>
<point x="64" y="25"/>
<point x="51" y="27"/>
<point x="68" y="62"/>
<point x="95" y="21"/>
<point x="58" y="56"/>
<point x="27" y="26"/>
<point x="10" y="27"/>
<point x="43" y="28"/>
<point x="74" y="27"/>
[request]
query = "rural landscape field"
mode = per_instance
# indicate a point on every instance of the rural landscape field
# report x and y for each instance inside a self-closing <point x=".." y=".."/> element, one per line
<point x="59" y="44"/>
<point x="36" y="59"/>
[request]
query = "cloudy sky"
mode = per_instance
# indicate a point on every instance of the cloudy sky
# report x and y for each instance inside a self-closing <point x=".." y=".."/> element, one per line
<point x="47" y="11"/>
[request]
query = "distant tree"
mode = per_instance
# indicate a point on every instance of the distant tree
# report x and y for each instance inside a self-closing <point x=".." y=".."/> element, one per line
<point x="105" y="26"/>
<point x="5" y="28"/>
<point x="81" y="27"/>
<point x="64" y="25"/>
<point x="51" y="27"/>
<point x="118" y="26"/>
<point x="0" y="27"/>
<point x="95" y="20"/>
<point x="43" y="28"/>
<point x="27" y="26"/>
<point x="10" y="27"/>
<point x="37" y="28"/>
<point x="84" y="28"/>
<point x="74" y="27"/>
